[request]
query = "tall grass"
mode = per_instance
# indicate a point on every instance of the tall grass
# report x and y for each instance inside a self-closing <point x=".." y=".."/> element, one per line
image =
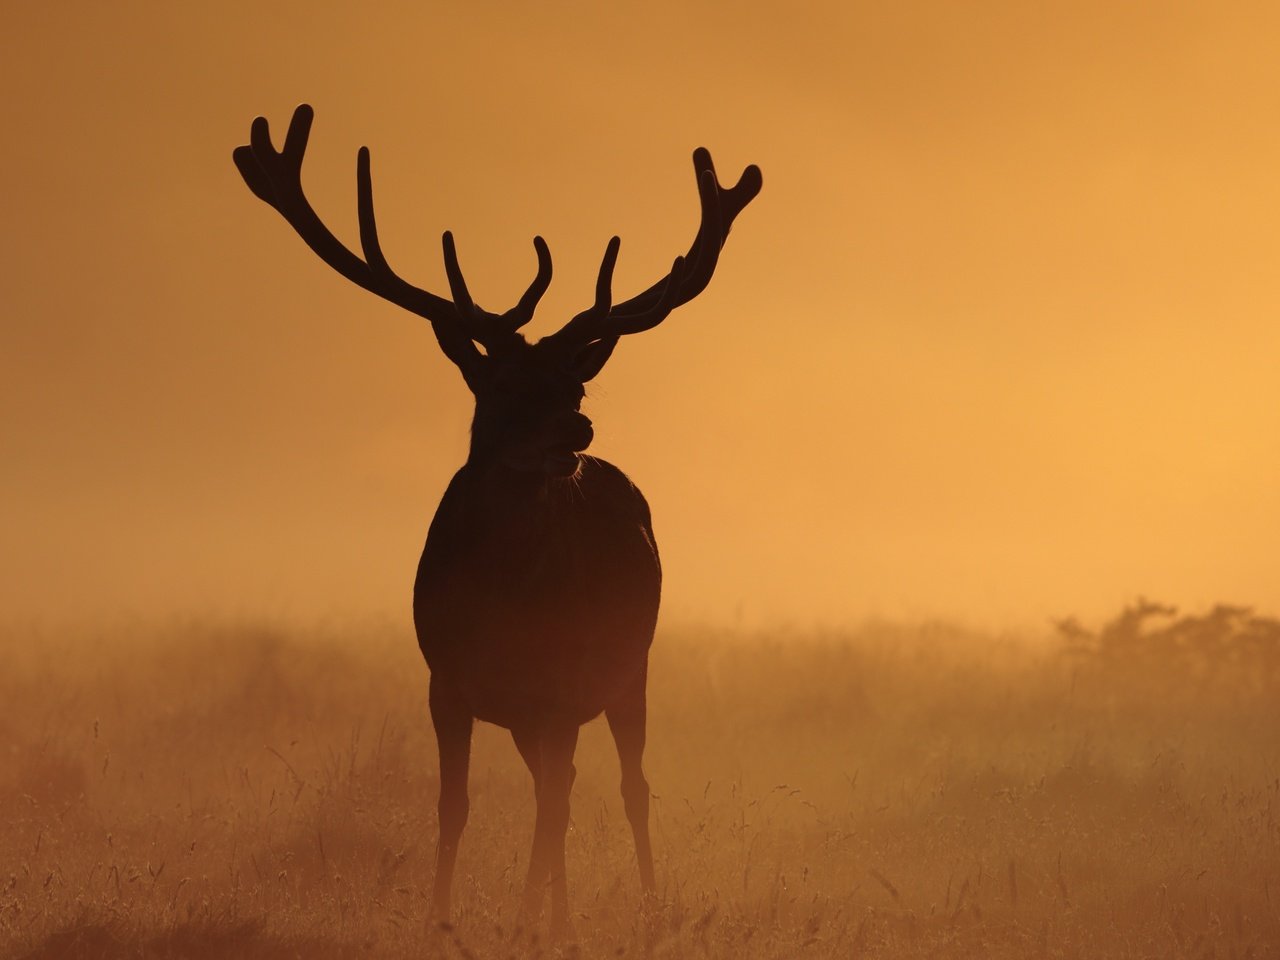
<point x="250" y="791"/>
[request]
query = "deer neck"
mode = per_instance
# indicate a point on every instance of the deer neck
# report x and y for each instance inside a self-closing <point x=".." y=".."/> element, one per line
<point x="494" y="479"/>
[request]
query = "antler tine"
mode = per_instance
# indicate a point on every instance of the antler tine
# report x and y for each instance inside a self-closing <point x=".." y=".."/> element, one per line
<point x="604" y="280"/>
<point x="669" y="298"/>
<point x="457" y="283"/>
<point x="482" y="326"/>
<point x="369" y="241"/>
<point x="522" y="312"/>
<point x="587" y="325"/>
<point x="491" y="329"/>
<point x="276" y="178"/>
<point x="719" y="208"/>
<point x="689" y="274"/>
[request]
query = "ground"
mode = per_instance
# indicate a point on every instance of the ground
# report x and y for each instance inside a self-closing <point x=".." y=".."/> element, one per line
<point x="207" y="790"/>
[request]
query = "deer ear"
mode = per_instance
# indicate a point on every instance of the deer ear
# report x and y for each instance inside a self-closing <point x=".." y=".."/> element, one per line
<point x="589" y="360"/>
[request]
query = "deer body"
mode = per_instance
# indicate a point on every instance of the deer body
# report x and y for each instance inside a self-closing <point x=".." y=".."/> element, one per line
<point x="536" y="597"/>
<point x="537" y="592"/>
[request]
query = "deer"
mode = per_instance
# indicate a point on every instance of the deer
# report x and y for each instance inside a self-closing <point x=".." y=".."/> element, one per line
<point x="536" y="596"/>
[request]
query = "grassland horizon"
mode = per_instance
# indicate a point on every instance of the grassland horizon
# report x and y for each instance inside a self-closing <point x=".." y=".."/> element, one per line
<point x="261" y="789"/>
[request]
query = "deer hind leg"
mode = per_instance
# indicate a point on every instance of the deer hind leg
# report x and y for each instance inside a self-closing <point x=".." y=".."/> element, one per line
<point x="527" y="742"/>
<point x="626" y="723"/>
<point x="452" y="721"/>
<point x="553" y="782"/>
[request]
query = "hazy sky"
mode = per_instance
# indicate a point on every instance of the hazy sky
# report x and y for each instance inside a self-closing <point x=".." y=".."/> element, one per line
<point x="997" y="341"/>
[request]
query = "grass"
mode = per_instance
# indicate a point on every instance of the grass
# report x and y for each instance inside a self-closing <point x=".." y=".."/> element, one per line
<point x="216" y="791"/>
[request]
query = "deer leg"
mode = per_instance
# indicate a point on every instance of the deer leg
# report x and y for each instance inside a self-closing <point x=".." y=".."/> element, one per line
<point x="526" y="741"/>
<point x="530" y="746"/>
<point x="627" y="722"/>
<point x="452" y="720"/>
<point x="546" y="862"/>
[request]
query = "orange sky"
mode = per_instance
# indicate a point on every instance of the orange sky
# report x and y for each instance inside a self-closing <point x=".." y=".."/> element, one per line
<point x="998" y="341"/>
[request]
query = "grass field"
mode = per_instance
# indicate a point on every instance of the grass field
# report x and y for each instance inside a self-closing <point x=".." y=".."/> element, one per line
<point x="247" y="791"/>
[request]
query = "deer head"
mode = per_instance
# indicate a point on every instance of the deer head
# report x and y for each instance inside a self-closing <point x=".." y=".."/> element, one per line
<point x="527" y="395"/>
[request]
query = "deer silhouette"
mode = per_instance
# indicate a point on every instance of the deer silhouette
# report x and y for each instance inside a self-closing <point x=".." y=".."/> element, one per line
<point x="537" y="593"/>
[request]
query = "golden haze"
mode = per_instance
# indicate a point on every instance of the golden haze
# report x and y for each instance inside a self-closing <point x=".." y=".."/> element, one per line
<point x="997" y="341"/>
<point x="879" y="793"/>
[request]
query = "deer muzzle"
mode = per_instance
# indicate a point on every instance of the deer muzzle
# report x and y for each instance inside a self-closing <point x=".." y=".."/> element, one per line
<point x="570" y="435"/>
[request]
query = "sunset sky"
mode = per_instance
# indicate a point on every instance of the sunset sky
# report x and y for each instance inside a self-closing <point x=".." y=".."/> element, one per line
<point x="999" y="340"/>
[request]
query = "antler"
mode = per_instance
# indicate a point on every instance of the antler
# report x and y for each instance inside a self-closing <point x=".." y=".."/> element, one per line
<point x="276" y="178"/>
<point x="689" y="274"/>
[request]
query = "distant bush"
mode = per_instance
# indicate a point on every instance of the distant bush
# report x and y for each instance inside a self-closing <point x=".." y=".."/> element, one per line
<point x="1230" y="646"/>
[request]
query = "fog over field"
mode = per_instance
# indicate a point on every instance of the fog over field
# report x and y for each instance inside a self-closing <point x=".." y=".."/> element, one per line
<point x="210" y="790"/>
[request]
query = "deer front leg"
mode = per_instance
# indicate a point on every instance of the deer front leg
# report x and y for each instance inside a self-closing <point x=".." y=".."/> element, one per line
<point x="452" y="720"/>
<point x="546" y="861"/>
<point x="627" y="724"/>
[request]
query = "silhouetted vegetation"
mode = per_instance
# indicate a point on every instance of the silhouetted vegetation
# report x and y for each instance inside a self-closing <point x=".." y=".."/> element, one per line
<point x="881" y="792"/>
<point x="1230" y="649"/>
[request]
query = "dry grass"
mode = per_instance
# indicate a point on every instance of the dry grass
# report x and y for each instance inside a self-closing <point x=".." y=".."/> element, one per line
<point x="206" y="792"/>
